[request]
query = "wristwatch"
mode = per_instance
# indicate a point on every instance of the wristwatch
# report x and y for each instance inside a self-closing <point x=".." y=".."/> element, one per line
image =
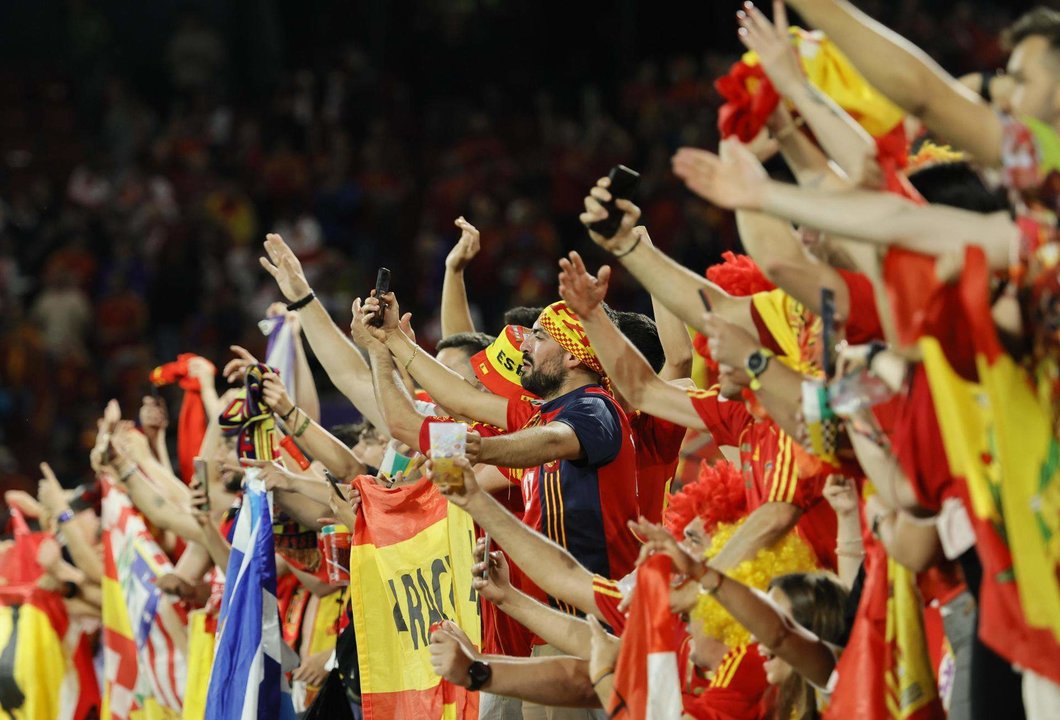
<point x="480" y="673"/>
<point x="756" y="364"/>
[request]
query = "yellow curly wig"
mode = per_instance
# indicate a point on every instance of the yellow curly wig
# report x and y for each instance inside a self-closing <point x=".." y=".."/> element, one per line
<point x="790" y="554"/>
<point x="931" y="154"/>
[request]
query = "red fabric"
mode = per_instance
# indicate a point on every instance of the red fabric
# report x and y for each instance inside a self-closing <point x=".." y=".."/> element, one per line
<point x="910" y="282"/>
<point x="658" y="444"/>
<point x="191" y="425"/>
<point x="768" y="459"/>
<point x="408" y="509"/>
<point x="607" y="597"/>
<point x="736" y="692"/>
<point x="863" y="324"/>
<point x="649" y="631"/>
<point x="749" y="101"/>
<point x="918" y="446"/>
<point x="18" y="565"/>
<point x="862" y="687"/>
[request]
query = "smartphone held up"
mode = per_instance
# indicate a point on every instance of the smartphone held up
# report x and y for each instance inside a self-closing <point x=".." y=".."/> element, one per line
<point x="623" y="183"/>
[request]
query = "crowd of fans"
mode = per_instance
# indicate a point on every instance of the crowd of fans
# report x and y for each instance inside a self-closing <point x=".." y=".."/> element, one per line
<point x="871" y="520"/>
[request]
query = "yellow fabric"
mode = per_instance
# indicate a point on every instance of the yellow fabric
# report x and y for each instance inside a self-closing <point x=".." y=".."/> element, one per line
<point x="402" y="577"/>
<point x="116" y="619"/>
<point x="832" y="73"/>
<point x="793" y="327"/>
<point x="200" y="662"/>
<point x="40" y="663"/>
<point x="565" y="327"/>
<point x="910" y="680"/>
<point x="997" y="429"/>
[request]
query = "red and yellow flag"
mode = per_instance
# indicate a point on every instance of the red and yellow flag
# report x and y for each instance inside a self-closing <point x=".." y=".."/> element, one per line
<point x="998" y="439"/>
<point x="885" y="671"/>
<point x="412" y="554"/>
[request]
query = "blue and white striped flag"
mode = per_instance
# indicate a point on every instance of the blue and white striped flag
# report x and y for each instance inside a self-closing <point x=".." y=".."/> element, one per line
<point x="247" y="679"/>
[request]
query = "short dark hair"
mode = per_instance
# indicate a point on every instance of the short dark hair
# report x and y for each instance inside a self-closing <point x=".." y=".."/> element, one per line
<point x="349" y="434"/>
<point x="522" y="316"/>
<point x="469" y="342"/>
<point x="1041" y="20"/>
<point x="958" y="185"/>
<point x="642" y="331"/>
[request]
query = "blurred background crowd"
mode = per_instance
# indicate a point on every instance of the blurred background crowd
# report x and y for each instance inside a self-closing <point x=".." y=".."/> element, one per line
<point x="146" y="148"/>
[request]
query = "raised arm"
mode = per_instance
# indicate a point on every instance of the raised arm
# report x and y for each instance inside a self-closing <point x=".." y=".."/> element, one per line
<point x="909" y="78"/>
<point x="673" y="285"/>
<point x="843" y="140"/>
<point x="455" y="313"/>
<point x="318" y="442"/>
<point x="566" y="633"/>
<point x="341" y="360"/>
<point x="631" y="374"/>
<point x="738" y="182"/>
<point x="308" y="399"/>
<point x="445" y="387"/>
<point x="774" y="629"/>
<point x="549" y="566"/>
<point x="676" y="343"/>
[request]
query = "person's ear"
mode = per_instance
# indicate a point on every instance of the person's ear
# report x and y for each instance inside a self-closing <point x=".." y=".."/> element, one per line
<point x="570" y="362"/>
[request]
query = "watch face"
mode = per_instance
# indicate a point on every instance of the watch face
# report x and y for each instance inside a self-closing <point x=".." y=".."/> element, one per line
<point x="479" y="673"/>
<point x="756" y="363"/>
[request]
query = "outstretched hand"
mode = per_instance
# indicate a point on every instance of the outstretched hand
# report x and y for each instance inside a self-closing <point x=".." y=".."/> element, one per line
<point x="236" y="369"/>
<point x="735" y="180"/>
<point x="285" y="268"/>
<point x="624" y="239"/>
<point x="659" y="540"/>
<point x="770" y="40"/>
<point x="466" y="248"/>
<point x="582" y="292"/>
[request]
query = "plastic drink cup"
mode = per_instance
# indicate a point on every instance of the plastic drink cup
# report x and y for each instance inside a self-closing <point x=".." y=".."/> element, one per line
<point x="336" y="541"/>
<point x="447" y="444"/>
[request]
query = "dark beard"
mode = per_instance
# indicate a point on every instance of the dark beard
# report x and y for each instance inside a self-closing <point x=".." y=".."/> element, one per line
<point x="541" y="383"/>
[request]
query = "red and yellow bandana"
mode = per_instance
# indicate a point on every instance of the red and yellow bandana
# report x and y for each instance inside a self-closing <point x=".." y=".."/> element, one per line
<point x="566" y="328"/>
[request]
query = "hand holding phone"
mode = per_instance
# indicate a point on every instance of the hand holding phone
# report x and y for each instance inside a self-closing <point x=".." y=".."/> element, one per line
<point x="382" y="287"/>
<point x="623" y="183"/>
<point x="334" y="481"/>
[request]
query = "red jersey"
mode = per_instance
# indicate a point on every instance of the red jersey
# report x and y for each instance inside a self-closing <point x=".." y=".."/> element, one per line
<point x="734" y="692"/>
<point x="658" y="444"/>
<point x="583" y="505"/>
<point x="608" y="597"/>
<point x="767" y="460"/>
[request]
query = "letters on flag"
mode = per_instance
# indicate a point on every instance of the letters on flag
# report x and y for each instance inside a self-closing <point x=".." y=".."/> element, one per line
<point x="411" y="555"/>
<point x="144" y="631"/>
<point x="247" y="678"/>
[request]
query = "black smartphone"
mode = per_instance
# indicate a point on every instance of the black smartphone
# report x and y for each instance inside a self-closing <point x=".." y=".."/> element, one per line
<point x="334" y="484"/>
<point x="828" y="332"/>
<point x="706" y="300"/>
<point x="623" y="183"/>
<point x="382" y="286"/>
<point x="203" y="481"/>
<point x="486" y="556"/>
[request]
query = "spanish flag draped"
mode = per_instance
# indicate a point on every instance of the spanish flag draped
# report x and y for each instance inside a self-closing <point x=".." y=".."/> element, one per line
<point x="998" y="438"/>
<point x="412" y="553"/>
<point x="45" y="668"/>
<point x="885" y="671"/>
